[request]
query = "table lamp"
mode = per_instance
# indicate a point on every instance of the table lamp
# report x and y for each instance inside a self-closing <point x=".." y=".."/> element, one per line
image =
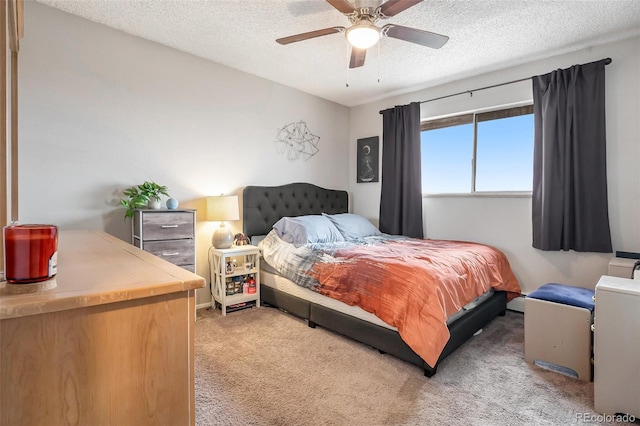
<point x="219" y="209"/>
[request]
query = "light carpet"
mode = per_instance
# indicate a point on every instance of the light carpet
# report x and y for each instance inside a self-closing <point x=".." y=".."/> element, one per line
<point x="265" y="367"/>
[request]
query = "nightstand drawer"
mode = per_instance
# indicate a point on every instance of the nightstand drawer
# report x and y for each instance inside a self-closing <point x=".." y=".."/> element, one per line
<point x="180" y="252"/>
<point x="165" y="226"/>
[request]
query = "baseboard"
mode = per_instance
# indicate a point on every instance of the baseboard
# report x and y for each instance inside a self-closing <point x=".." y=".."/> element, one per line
<point x="517" y="304"/>
<point x="203" y="305"/>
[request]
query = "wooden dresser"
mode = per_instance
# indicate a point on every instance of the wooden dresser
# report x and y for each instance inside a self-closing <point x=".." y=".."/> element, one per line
<point x="110" y="344"/>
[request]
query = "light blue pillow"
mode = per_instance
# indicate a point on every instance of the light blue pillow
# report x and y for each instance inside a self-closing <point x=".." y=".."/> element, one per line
<point x="303" y="230"/>
<point x="352" y="226"/>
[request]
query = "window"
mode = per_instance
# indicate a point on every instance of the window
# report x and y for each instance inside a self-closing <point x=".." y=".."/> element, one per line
<point x="481" y="152"/>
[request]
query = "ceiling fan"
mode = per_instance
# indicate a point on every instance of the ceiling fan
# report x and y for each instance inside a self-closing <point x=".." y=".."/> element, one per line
<point x="364" y="33"/>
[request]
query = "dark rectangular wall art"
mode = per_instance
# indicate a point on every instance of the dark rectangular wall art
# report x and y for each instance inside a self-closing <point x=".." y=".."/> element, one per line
<point x="368" y="160"/>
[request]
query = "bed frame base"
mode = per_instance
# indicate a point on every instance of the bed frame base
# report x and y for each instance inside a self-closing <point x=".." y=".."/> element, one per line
<point x="386" y="341"/>
<point x="264" y="205"/>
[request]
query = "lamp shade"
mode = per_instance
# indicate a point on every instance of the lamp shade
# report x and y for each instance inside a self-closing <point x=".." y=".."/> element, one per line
<point x="223" y="207"/>
<point x="219" y="209"/>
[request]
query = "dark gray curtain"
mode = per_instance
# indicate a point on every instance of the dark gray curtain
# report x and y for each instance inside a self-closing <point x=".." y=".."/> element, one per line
<point x="570" y="209"/>
<point x="401" y="197"/>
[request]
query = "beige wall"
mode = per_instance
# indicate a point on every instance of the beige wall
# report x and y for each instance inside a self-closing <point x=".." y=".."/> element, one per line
<point x="101" y="110"/>
<point x="506" y="222"/>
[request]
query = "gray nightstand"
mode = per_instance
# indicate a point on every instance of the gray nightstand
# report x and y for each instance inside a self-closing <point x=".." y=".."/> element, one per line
<point x="169" y="234"/>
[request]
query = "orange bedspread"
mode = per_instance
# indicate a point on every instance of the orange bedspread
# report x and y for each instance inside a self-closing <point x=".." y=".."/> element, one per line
<point x="415" y="285"/>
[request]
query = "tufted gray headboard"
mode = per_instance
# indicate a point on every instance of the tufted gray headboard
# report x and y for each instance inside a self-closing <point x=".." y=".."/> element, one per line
<point x="265" y="205"/>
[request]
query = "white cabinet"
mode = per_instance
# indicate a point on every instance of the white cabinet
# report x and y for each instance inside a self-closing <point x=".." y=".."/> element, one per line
<point x="617" y="346"/>
<point x="235" y="277"/>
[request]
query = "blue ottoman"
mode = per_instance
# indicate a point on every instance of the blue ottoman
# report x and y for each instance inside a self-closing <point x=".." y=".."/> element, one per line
<point x="557" y="329"/>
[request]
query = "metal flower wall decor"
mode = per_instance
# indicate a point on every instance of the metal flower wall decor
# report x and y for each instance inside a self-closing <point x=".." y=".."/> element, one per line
<point x="297" y="141"/>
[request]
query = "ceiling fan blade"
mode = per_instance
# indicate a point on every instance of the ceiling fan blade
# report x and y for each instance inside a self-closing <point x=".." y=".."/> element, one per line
<point x="413" y="35"/>
<point x="310" y="34"/>
<point x="357" y="57"/>
<point x="393" y="7"/>
<point x="343" y="6"/>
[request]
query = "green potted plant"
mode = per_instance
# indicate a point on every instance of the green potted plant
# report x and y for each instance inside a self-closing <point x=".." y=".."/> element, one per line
<point x="141" y="196"/>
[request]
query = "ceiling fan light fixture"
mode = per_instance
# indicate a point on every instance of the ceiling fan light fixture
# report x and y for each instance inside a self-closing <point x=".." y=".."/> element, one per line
<point x="363" y="35"/>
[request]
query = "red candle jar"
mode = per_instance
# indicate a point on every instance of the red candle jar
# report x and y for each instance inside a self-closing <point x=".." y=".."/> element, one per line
<point x="31" y="253"/>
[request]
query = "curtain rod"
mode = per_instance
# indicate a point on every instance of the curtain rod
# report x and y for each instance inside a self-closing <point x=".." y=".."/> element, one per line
<point x="607" y="61"/>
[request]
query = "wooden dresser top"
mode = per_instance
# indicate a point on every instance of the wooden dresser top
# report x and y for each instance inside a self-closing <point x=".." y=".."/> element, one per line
<point x="95" y="268"/>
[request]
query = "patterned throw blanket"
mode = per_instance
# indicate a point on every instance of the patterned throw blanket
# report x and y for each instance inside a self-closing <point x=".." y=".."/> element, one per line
<point x="411" y="284"/>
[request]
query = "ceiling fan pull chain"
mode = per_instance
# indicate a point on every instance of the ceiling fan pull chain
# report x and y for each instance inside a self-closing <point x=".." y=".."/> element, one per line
<point x="379" y="43"/>
<point x="348" y="55"/>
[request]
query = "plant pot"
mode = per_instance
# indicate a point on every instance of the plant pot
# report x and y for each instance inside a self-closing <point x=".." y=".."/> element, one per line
<point x="154" y="203"/>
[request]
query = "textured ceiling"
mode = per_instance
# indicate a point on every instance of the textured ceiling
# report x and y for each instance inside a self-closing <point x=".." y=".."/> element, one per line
<point x="485" y="35"/>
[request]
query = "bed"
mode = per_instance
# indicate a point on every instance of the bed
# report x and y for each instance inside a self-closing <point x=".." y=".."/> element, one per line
<point x="264" y="206"/>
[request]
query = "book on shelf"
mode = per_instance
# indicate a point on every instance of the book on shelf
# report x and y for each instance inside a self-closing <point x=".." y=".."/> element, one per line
<point x="238" y="306"/>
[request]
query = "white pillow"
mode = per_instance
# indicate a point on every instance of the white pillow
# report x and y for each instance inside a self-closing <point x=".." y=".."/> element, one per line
<point x="303" y="230"/>
<point x="352" y="226"/>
